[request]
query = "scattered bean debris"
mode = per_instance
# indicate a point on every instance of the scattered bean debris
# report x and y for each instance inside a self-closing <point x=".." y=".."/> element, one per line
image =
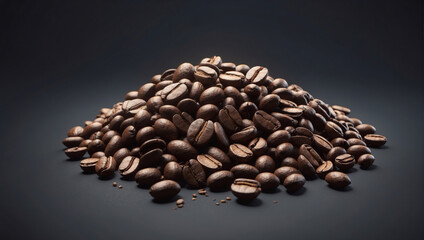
<point x="114" y="184"/>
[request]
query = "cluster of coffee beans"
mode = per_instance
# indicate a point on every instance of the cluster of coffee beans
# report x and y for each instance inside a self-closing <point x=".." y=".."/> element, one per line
<point x="222" y="126"/>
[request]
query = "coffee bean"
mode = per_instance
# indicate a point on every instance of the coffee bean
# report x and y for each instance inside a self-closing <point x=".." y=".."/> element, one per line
<point x="196" y="90"/>
<point x="131" y="107"/>
<point x="268" y="181"/>
<point x="182" y="150"/>
<point x="283" y="150"/>
<point x="85" y="143"/>
<point x="182" y="121"/>
<point x="366" y="160"/>
<point x="207" y="112"/>
<point x="333" y="130"/>
<point x="168" y="111"/>
<point x="294" y="182"/>
<point x="284" y="172"/>
<point x="113" y="145"/>
<point x="230" y="118"/>
<point x="154" y="103"/>
<point x="75" y="131"/>
<point x="358" y="150"/>
<point x="243" y="68"/>
<point x="265" y="121"/>
<point x="144" y="134"/>
<point x="365" y="129"/>
<point x="232" y="78"/>
<point x="337" y="179"/>
<point x="165" y="129"/>
<point x="345" y="110"/>
<point x="88" y="165"/>
<point x="265" y="163"/>
<point x="344" y="162"/>
<point x="340" y="142"/>
<point x="355" y="141"/>
<point x="334" y="152"/>
<point x="311" y="155"/>
<point x="220" y="180"/>
<point x="321" y="144"/>
<point x="164" y="189"/>
<point x="189" y="106"/>
<point x="278" y="137"/>
<point x="324" y="169"/>
<point x="244" y="135"/>
<point x="200" y="132"/>
<point x="90" y="129"/>
<point x="269" y="103"/>
<point x="185" y="70"/>
<point x="244" y="171"/>
<point x="258" y="146"/>
<point x="98" y="155"/>
<point x="147" y="177"/>
<point x="96" y="145"/>
<point x="247" y="110"/>
<point x="212" y="95"/>
<point x="290" y="162"/>
<point x="173" y="93"/>
<point x="240" y="153"/>
<point x="105" y="167"/>
<point x="375" y="140"/>
<point x="352" y="134"/>
<point x="72" y="141"/>
<point x="257" y="75"/>
<point x="209" y="163"/>
<point x="228" y="67"/>
<point x="193" y="174"/>
<point x="147" y="91"/>
<point x="306" y="167"/>
<point x="75" y="153"/>
<point x="151" y="158"/>
<point x="252" y="90"/>
<point x="120" y="155"/>
<point x="215" y="60"/>
<point x="206" y="75"/>
<point x="129" y="166"/>
<point x="220" y="135"/>
<point x="173" y="171"/>
<point x="246" y="189"/>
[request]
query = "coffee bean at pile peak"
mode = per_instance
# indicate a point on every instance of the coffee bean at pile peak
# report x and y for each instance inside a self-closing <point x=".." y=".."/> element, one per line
<point x="226" y="127"/>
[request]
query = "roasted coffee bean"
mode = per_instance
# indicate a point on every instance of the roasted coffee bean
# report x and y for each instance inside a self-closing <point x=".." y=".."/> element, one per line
<point x="98" y="155"/>
<point x="265" y="163"/>
<point x="185" y="70"/>
<point x="278" y="137"/>
<point x="333" y="130"/>
<point x="121" y="154"/>
<point x="268" y="181"/>
<point x="285" y="120"/>
<point x="252" y="90"/>
<point x="75" y="153"/>
<point x="257" y="75"/>
<point x="129" y="166"/>
<point x="189" y="106"/>
<point x="284" y="150"/>
<point x="193" y="174"/>
<point x="206" y="75"/>
<point x="96" y="145"/>
<point x="334" y="152"/>
<point x="116" y="122"/>
<point x="196" y="90"/>
<point x="215" y="60"/>
<point x="294" y="182"/>
<point x="277" y="83"/>
<point x="151" y="158"/>
<point x="366" y="160"/>
<point x="309" y="153"/>
<point x="290" y="162"/>
<point x="154" y="103"/>
<point x="147" y="177"/>
<point x="173" y="171"/>
<point x="375" y="140"/>
<point x="182" y="150"/>
<point x="245" y="189"/>
<point x="306" y="167"/>
<point x="113" y="145"/>
<point x="173" y="93"/>
<point x="85" y="143"/>
<point x="258" y="146"/>
<point x="144" y="134"/>
<point x="324" y="168"/>
<point x="90" y="129"/>
<point x="75" y="131"/>
<point x="221" y="156"/>
<point x="221" y="136"/>
<point x="358" y="150"/>
<point x="151" y="144"/>
<point x="228" y="67"/>
<point x="365" y="129"/>
<point x="247" y="123"/>
<point x="337" y="179"/>
<point x="345" y="110"/>
<point x="200" y="132"/>
<point x="212" y="95"/>
<point x="127" y="122"/>
<point x="355" y="141"/>
<point x="131" y="107"/>
<point x="166" y="158"/>
<point x="105" y="167"/>
<point x="265" y="121"/>
<point x="292" y="112"/>
<point x="147" y="91"/>
<point x="128" y="136"/>
<point x="230" y="118"/>
<point x="88" y="165"/>
<point x="142" y="119"/>
<point x="352" y="134"/>
<point x="165" y="129"/>
<point x="247" y="110"/>
<point x="182" y="121"/>
<point x="321" y="144"/>
<point x="220" y="180"/>
<point x="209" y="163"/>
<point x="340" y="142"/>
<point x="269" y="103"/>
<point x="168" y="111"/>
<point x="165" y="189"/>
<point x="244" y="171"/>
<point x="243" y="68"/>
<point x="240" y="153"/>
<point x="232" y="78"/>
<point x="72" y="141"/>
<point x="161" y="85"/>
<point x="344" y="162"/>
<point x="131" y="95"/>
<point x="96" y="135"/>
<point x="207" y="112"/>
<point x="244" y="135"/>
<point x="229" y="101"/>
<point x="284" y="172"/>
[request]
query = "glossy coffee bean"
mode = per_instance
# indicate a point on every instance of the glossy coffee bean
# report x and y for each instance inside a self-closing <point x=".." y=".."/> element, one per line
<point x="294" y="182"/>
<point x="365" y="129"/>
<point x="98" y="155"/>
<point x="120" y="155"/>
<point x="129" y="167"/>
<point x="344" y="162"/>
<point x="245" y="189"/>
<point x="173" y="171"/>
<point x="321" y="144"/>
<point x="206" y="75"/>
<point x="240" y="153"/>
<point x="284" y="150"/>
<point x="165" y="129"/>
<point x="113" y="145"/>
<point x="105" y="167"/>
<point x="244" y="171"/>
<point x="221" y="136"/>
<point x="96" y="145"/>
<point x="209" y="163"/>
<point x="366" y="160"/>
<point x="290" y="162"/>
<point x="88" y="165"/>
<point x="232" y="78"/>
<point x="355" y="141"/>
<point x="168" y="111"/>
<point x="200" y="132"/>
<point x="182" y="150"/>
<point x="220" y="180"/>
<point x="182" y="121"/>
<point x="311" y="155"/>
<point x="247" y="110"/>
<point x="265" y="121"/>
<point x="146" y="91"/>
<point x="230" y="118"/>
<point x="76" y="153"/>
<point x="265" y="163"/>
<point x="340" y="142"/>
<point x="72" y="141"/>
<point x="258" y="146"/>
<point x="334" y="152"/>
<point x="221" y="156"/>
<point x="75" y="131"/>
<point x="212" y="95"/>
<point x="337" y="179"/>
<point x="207" y="112"/>
<point x="175" y="92"/>
<point x="284" y="172"/>
<point x="185" y="70"/>
<point x="324" y="169"/>
<point x="244" y="135"/>
<point x="193" y="174"/>
<point x="147" y="177"/>
<point x="306" y="167"/>
<point x="278" y="137"/>
<point x="358" y="150"/>
<point x="375" y="140"/>
<point x="164" y="189"/>
<point x="269" y="181"/>
<point x="257" y="75"/>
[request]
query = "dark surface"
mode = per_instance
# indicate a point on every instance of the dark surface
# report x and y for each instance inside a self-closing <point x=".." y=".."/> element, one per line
<point x="62" y="61"/>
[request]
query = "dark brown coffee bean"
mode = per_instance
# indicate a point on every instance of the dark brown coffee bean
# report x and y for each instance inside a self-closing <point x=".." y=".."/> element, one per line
<point x="85" y="143"/>
<point x="309" y="153"/>
<point x="220" y="180"/>
<point x="147" y="91"/>
<point x="182" y="121"/>
<point x="168" y="111"/>
<point x="151" y="158"/>
<point x="189" y="106"/>
<point x="294" y="182"/>
<point x="340" y="142"/>
<point x="252" y="90"/>
<point x="248" y="123"/>
<point x="344" y="162"/>
<point x="165" y="189"/>
<point x="334" y="152"/>
<point x="306" y="124"/>
<point x="152" y="144"/>
<point x="182" y="150"/>
<point x="196" y="90"/>
<point x="265" y="122"/>
<point x="206" y="75"/>
<point x="306" y="167"/>
<point x="185" y="70"/>
<point x="215" y="60"/>
<point x="209" y="163"/>
<point x="225" y="67"/>
<point x="243" y="68"/>
<point x="284" y="119"/>
<point x="244" y="135"/>
<point x="88" y="165"/>
<point x="90" y="129"/>
<point x="355" y="141"/>
<point x="120" y="155"/>
<point x="257" y="75"/>
<point x="173" y="93"/>
<point x="365" y="129"/>
<point x="98" y="155"/>
<point x="283" y="150"/>
<point x="337" y="179"/>
<point x="207" y="112"/>
<point x="97" y="135"/>
<point x="75" y="131"/>
<point x="96" y="145"/>
<point x="240" y="153"/>
<point x="345" y="110"/>
<point x="72" y="141"/>
<point x="127" y="122"/>
<point x="147" y="177"/>
<point x="230" y="118"/>
<point x="173" y="171"/>
<point x="321" y="144"/>
<point x="193" y="174"/>
<point x="333" y="130"/>
<point x="292" y="112"/>
<point x="269" y="103"/>
<point x="247" y="110"/>
<point x="278" y="137"/>
<point x="352" y="134"/>
<point x="200" y="132"/>
<point x="105" y="167"/>
<point x="375" y="140"/>
<point x="277" y="83"/>
<point x="289" y="162"/>
<point x="167" y="75"/>
<point x="75" y="153"/>
<point x="131" y="107"/>
<point x="244" y="171"/>
<point x="212" y="95"/>
<point x="165" y="129"/>
<point x="129" y="166"/>
<point x="232" y="78"/>
<point x="258" y="146"/>
<point x="116" y="122"/>
<point x="265" y="163"/>
<point x="142" y="119"/>
<point x="229" y="101"/>
<point x="221" y="136"/>
<point x="246" y="189"/>
<point x="284" y="172"/>
<point x="324" y="169"/>
<point x="358" y="150"/>
<point x="268" y="181"/>
<point x="144" y="134"/>
<point x="154" y="103"/>
<point x="128" y="136"/>
<point x="366" y="160"/>
<point x="113" y="145"/>
<point x="131" y="95"/>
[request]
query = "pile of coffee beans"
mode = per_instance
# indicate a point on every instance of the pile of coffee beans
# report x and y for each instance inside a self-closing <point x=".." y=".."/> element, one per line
<point x="223" y="126"/>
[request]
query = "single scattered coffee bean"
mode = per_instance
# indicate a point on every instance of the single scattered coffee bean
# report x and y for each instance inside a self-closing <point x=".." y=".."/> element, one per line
<point x="294" y="182"/>
<point x="375" y="140"/>
<point x="268" y="181"/>
<point x="75" y="153"/>
<point x="147" y="177"/>
<point x="105" y="167"/>
<point x="88" y="165"/>
<point x="246" y="189"/>
<point x="164" y="189"/>
<point x="337" y="179"/>
<point x="366" y="160"/>
<point x="220" y="180"/>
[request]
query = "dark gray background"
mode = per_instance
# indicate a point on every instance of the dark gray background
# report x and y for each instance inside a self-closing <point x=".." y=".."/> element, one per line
<point x="61" y="61"/>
